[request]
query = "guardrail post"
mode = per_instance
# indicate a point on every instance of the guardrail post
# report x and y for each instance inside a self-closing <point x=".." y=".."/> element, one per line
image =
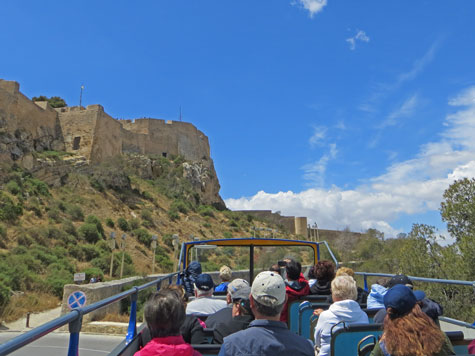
<point x="365" y="282"/>
<point x="74" y="329"/>
<point x="132" y="329"/>
<point x="159" y="285"/>
<point x="170" y="280"/>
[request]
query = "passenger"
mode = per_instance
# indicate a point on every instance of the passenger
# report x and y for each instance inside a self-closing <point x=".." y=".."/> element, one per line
<point x="225" y="315"/>
<point x="428" y="306"/>
<point x="189" y="277"/>
<point x="362" y="294"/>
<point x="296" y="286"/>
<point x="266" y="335"/>
<point x="275" y="268"/>
<point x="311" y="277"/>
<point x="344" y="308"/>
<point x="407" y="330"/>
<point x="204" y="303"/>
<point x="164" y="314"/>
<point x="324" y="271"/>
<point x="225" y="275"/>
<point x="376" y="295"/>
<point x="241" y="316"/>
<point x="192" y="328"/>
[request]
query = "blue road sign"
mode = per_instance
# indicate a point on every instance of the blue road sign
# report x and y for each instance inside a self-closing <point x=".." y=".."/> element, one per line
<point x="76" y="300"/>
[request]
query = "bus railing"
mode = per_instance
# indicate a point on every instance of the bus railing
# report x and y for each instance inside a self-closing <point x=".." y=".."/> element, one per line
<point x="74" y="319"/>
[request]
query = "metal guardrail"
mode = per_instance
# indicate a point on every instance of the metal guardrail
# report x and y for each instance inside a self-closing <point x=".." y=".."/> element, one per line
<point x="74" y="319"/>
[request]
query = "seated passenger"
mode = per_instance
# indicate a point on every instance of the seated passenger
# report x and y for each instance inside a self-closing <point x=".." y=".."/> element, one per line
<point x="164" y="314"/>
<point x="192" y="328"/>
<point x="241" y="316"/>
<point x="189" y="277"/>
<point x="296" y="286"/>
<point x="204" y="304"/>
<point x="376" y="295"/>
<point x="324" y="272"/>
<point x="344" y="308"/>
<point x="407" y="330"/>
<point x="275" y="268"/>
<point x="225" y="315"/>
<point x="428" y="306"/>
<point x="362" y="294"/>
<point x="311" y="277"/>
<point x="267" y="335"/>
<point x="225" y="274"/>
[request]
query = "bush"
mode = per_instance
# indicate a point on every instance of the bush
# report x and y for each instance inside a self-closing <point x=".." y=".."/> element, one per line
<point x="97" y="184"/>
<point x="180" y="206"/>
<point x="53" y="214"/>
<point x="123" y="224"/>
<point x="13" y="187"/>
<point x="8" y="210"/>
<point x="110" y="223"/>
<point x="56" y="281"/>
<point x="147" y="217"/>
<point x="36" y="187"/>
<point x="93" y="272"/>
<point x="173" y="214"/>
<point x="4" y="294"/>
<point x="92" y="219"/>
<point x="206" y="210"/>
<point x="227" y="235"/>
<point x="134" y="224"/>
<point x="69" y="228"/>
<point x="75" y="212"/>
<point x="143" y="236"/>
<point x="89" y="233"/>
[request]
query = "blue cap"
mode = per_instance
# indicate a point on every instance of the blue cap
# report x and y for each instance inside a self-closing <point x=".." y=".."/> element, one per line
<point x="204" y="282"/>
<point x="401" y="299"/>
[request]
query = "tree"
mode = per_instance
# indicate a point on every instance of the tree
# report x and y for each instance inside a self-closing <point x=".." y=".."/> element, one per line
<point x="54" y="101"/>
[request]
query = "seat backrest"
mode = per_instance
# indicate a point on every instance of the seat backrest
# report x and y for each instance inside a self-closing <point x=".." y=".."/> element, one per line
<point x="371" y="313"/>
<point x="306" y="317"/>
<point x="207" y="349"/>
<point x="344" y="341"/>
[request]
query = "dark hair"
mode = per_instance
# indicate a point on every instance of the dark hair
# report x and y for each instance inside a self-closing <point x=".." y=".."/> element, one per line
<point x="268" y="310"/>
<point x="275" y="268"/>
<point x="164" y="313"/>
<point x="293" y="270"/>
<point x="324" y="271"/>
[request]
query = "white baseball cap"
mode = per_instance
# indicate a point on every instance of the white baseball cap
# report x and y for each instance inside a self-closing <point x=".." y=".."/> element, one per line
<point x="236" y="285"/>
<point x="268" y="284"/>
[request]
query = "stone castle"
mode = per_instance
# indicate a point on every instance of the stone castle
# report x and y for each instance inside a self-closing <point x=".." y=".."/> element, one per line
<point x="27" y="127"/>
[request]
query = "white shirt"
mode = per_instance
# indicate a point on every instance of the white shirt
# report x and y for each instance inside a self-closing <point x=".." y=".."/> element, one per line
<point x="205" y="306"/>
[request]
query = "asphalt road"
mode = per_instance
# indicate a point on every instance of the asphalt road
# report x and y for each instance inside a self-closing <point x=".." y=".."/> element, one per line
<point x="57" y="344"/>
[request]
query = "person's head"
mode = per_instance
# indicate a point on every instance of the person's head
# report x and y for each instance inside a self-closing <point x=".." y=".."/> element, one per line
<point x="383" y="281"/>
<point x="179" y="290"/>
<point x="225" y="273"/>
<point x="275" y="268"/>
<point x="234" y="287"/>
<point x="342" y="271"/>
<point x="267" y="295"/>
<point x="240" y="300"/>
<point x="344" y="288"/>
<point x="400" y="279"/>
<point x="324" y="271"/>
<point x="403" y="319"/>
<point x="293" y="270"/>
<point x="164" y="313"/>
<point x="204" y="286"/>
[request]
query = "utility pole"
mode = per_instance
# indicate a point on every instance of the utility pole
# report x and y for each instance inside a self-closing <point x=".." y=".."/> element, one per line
<point x="112" y="246"/>
<point x="123" y="253"/>
<point x="180" y="113"/>
<point x="80" y="97"/>
<point x="154" y="247"/>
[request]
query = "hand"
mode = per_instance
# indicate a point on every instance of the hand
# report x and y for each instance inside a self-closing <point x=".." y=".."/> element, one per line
<point x="317" y="311"/>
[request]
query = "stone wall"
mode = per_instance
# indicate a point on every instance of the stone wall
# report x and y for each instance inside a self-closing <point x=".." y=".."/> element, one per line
<point x="24" y="126"/>
<point x="288" y="222"/>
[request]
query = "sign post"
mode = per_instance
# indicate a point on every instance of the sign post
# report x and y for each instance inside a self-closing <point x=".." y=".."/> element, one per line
<point x="154" y="247"/>
<point x="123" y="252"/>
<point x="112" y="246"/>
<point x="79" y="277"/>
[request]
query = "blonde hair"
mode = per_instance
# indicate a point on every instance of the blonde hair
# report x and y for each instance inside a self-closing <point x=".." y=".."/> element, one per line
<point x="342" y="271"/>
<point x="343" y="288"/>
<point x="225" y="273"/>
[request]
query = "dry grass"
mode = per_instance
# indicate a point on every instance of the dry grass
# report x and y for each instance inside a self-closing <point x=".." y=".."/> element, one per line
<point x="29" y="302"/>
<point x="120" y="318"/>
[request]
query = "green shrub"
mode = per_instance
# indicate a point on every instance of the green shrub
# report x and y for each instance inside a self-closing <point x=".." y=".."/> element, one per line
<point x="180" y="205"/>
<point x="143" y="236"/>
<point x="75" y="212"/>
<point x="207" y="225"/>
<point x="206" y="210"/>
<point x="173" y="214"/>
<point x="13" y="187"/>
<point x="93" y="272"/>
<point x="5" y="293"/>
<point x="123" y="224"/>
<point x="89" y="232"/>
<point x="110" y="223"/>
<point x="147" y="217"/>
<point x="36" y="187"/>
<point x="69" y="228"/>
<point x="168" y="240"/>
<point x="227" y="235"/>
<point x="3" y="236"/>
<point x="97" y="184"/>
<point x="147" y="195"/>
<point x="9" y="211"/>
<point x="92" y="219"/>
<point x="54" y="214"/>
<point x="134" y="224"/>
<point x="56" y="281"/>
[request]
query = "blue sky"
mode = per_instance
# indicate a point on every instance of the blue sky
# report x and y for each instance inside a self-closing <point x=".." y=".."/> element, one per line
<point x="355" y="114"/>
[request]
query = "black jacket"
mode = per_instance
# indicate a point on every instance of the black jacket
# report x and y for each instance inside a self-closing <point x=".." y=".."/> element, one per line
<point x="221" y="316"/>
<point x="192" y="331"/>
<point x="237" y="323"/>
<point x="189" y="277"/>
<point x="321" y="288"/>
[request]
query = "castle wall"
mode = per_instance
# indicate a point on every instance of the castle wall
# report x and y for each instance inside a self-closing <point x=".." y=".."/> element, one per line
<point x="107" y="139"/>
<point x="26" y="127"/>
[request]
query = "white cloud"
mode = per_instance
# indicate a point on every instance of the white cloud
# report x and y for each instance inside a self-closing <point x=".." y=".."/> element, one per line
<point x="315" y="172"/>
<point x="360" y="36"/>
<point x="405" y="110"/>
<point x="414" y="186"/>
<point x="312" y="6"/>
<point x="319" y="134"/>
